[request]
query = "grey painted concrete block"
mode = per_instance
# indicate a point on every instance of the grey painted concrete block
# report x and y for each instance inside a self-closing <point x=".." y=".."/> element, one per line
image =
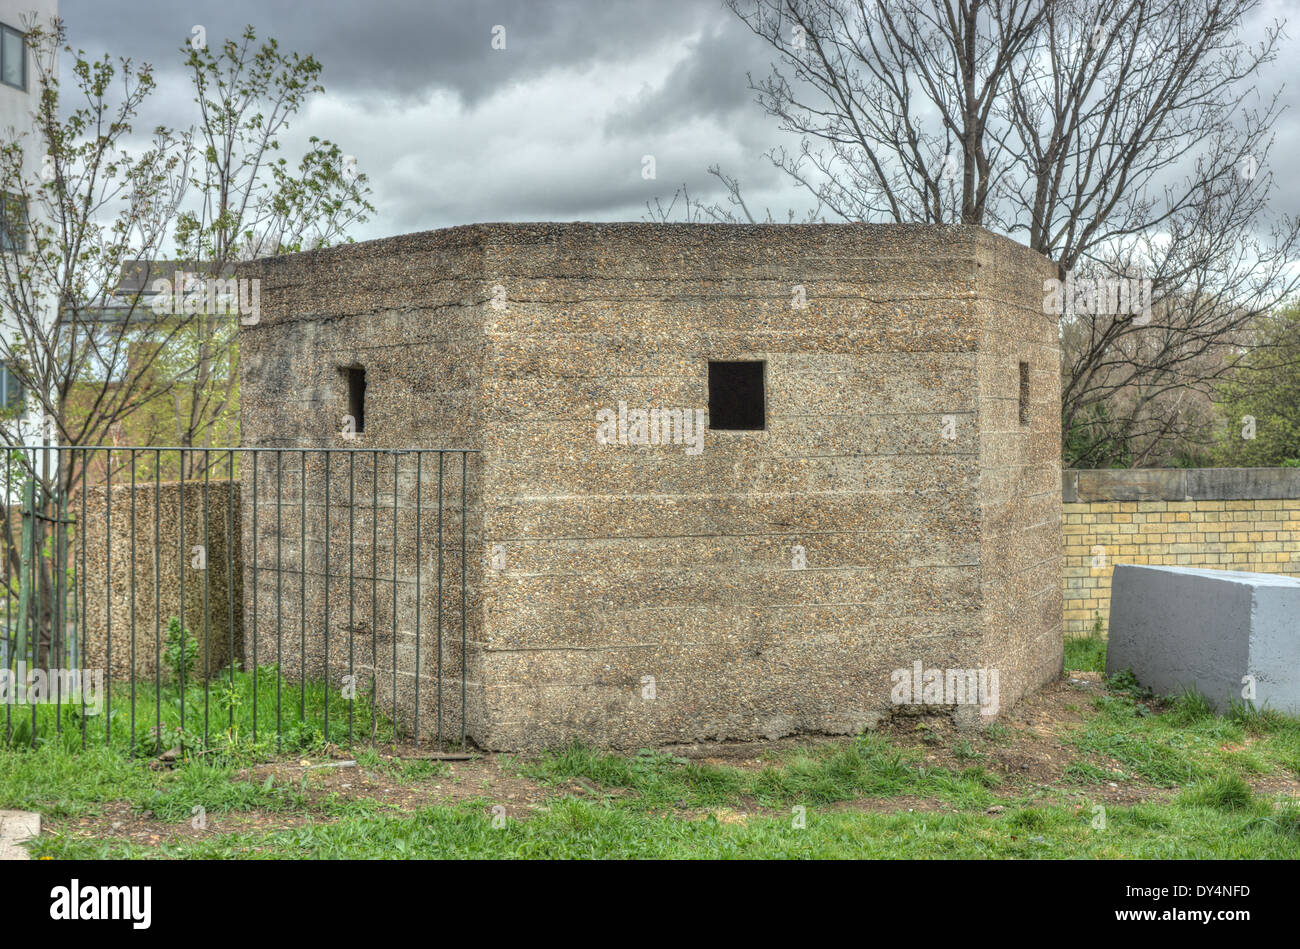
<point x="1183" y="628"/>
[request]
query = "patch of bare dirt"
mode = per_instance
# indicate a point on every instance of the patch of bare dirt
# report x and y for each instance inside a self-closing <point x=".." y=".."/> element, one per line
<point x="482" y="776"/>
<point x="1029" y="747"/>
<point x="119" y="820"/>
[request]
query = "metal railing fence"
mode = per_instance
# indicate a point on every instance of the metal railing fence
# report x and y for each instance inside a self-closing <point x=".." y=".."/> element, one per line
<point x="294" y="596"/>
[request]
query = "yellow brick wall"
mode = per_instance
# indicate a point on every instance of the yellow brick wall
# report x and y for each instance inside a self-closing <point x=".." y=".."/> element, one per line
<point x="1262" y="536"/>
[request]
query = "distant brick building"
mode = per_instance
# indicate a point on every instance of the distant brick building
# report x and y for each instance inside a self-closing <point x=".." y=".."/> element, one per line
<point x="732" y="478"/>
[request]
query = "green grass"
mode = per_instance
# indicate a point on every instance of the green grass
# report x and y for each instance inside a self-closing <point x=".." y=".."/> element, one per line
<point x="852" y="795"/>
<point x="1228" y="792"/>
<point x="583" y="829"/>
<point x="1166" y="750"/>
<point x="143" y="725"/>
<point x="63" y="783"/>
<point x="1085" y="653"/>
<point x="870" y="766"/>
<point x="405" y="769"/>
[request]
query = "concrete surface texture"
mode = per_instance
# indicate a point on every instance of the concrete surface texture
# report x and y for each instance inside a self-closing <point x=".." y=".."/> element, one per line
<point x="136" y="586"/>
<point x="1222" y="633"/>
<point x="16" y="827"/>
<point x="1180" y="484"/>
<point x="900" y="503"/>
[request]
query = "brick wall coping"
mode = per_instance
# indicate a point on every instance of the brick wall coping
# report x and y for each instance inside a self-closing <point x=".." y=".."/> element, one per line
<point x="1179" y="484"/>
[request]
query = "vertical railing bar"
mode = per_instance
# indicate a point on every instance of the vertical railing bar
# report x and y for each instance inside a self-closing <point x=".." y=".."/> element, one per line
<point x="183" y="637"/>
<point x="10" y="636"/>
<point x="72" y="643"/>
<point x="352" y="533"/>
<point x="419" y="568"/>
<point x="207" y="587"/>
<point x="38" y="577"/>
<point x="257" y="656"/>
<point x="12" y="653"/>
<point x="279" y="589"/>
<point x="56" y="614"/>
<point x="108" y="599"/>
<point x="131" y="753"/>
<point x="441" y="456"/>
<point x="70" y="551"/>
<point x="27" y="563"/>
<point x="33" y="628"/>
<point x="66" y="650"/>
<point x="22" y="547"/>
<point x="464" y="646"/>
<point x="39" y="592"/>
<point x="230" y="587"/>
<point x="326" y="607"/>
<point x="24" y="557"/>
<point x="157" y="599"/>
<point x="84" y="582"/>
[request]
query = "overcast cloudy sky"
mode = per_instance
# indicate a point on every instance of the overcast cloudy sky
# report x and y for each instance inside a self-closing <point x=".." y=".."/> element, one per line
<point x="451" y="131"/>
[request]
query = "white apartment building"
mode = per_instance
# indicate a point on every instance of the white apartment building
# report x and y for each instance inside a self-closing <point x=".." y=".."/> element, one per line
<point x="19" y="96"/>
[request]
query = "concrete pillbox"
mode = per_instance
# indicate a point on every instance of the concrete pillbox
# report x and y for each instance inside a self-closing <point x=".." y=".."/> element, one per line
<point x="872" y="480"/>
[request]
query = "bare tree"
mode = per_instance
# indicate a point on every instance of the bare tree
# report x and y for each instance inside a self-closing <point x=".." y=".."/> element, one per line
<point x="1119" y="138"/>
<point x="735" y="211"/>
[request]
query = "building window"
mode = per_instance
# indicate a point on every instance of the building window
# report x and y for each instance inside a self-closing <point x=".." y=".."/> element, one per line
<point x="736" y="399"/>
<point x="13" y="223"/>
<point x="11" y="389"/>
<point x="1024" y="393"/>
<point x="356" y="379"/>
<point x="13" y="57"/>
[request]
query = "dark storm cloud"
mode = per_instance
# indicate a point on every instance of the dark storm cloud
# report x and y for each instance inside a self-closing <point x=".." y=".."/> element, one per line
<point x="709" y="82"/>
<point x="553" y="127"/>
<point x="450" y="130"/>
<point x="400" y="48"/>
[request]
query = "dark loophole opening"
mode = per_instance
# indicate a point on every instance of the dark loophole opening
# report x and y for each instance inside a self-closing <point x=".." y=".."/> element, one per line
<point x="736" y="400"/>
<point x="356" y="379"/>
<point x="1024" y="393"/>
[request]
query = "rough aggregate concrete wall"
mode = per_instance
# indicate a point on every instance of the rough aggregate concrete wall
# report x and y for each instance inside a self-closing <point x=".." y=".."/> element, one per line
<point x="1020" y="468"/>
<point x="626" y="563"/>
<point x="112" y="627"/>
<point x="404" y="310"/>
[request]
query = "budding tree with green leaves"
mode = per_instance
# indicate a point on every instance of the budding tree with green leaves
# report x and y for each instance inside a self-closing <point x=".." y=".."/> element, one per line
<point x="241" y="199"/>
<point x="89" y="199"/>
<point x="1259" y="399"/>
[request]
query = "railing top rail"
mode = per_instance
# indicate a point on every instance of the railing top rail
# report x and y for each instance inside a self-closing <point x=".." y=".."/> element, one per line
<point x="217" y="448"/>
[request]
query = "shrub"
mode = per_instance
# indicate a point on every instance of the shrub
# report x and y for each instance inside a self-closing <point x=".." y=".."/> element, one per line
<point x="180" y="651"/>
